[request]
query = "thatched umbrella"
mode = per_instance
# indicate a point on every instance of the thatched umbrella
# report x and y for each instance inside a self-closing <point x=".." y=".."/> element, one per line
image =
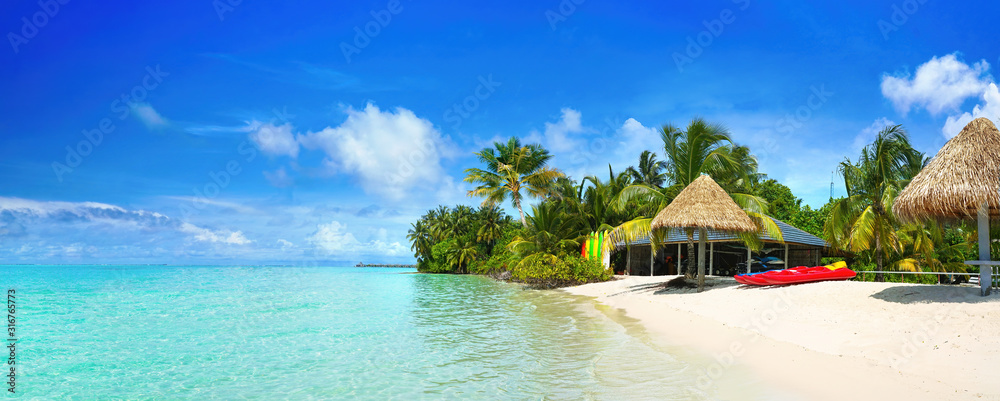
<point x="706" y="206"/>
<point x="962" y="181"/>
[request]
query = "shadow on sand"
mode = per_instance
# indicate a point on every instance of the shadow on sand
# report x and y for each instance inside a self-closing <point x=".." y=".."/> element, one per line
<point x="681" y="286"/>
<point x="916" y="294"/>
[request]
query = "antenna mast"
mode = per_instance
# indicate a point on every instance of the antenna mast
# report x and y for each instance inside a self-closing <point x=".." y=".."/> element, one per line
<point x="832" y="173"/>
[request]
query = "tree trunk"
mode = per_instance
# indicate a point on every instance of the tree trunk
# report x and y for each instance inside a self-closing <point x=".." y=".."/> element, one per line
<point x="878" y="255"/>
<point x="524" y="222"/>
<point x="690" y="271"/>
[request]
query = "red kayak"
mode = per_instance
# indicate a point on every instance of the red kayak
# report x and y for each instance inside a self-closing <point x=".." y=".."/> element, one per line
<point x="755" y="279"/>
<point x="796" y="275"/>
<point x="748" y="278"/>
<point x="807" y="275"/>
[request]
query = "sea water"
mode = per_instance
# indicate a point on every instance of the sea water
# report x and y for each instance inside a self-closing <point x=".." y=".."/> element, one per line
<point x="172" y="332"/>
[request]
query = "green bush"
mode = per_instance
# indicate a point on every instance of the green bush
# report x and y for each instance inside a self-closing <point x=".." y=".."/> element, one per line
<point x="586" y="270"/>
<point x="495" y="264"/>
<point x="831" y="260"/>
<point x="439" y="258"/>
<point x="549" y="271"/>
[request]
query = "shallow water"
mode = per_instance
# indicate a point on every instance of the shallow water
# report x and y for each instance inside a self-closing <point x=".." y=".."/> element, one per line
<point x="142" y="332"/>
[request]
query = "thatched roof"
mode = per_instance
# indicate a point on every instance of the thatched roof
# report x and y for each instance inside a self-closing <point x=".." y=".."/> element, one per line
<point x="704" y="204"/>
<point x="964" y="174"/>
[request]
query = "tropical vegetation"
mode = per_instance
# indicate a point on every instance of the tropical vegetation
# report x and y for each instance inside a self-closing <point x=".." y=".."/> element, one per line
<point x="555" y="213"/>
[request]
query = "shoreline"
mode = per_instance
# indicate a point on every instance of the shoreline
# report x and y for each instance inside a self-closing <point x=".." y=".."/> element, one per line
<point x="829" y="340"/>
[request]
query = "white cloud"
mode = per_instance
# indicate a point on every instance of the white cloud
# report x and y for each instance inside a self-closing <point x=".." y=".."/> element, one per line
<point x="635" y="137"/>
<point x="562" y="135"/>
<point x="279" y="178"/>
<point x="199" y="202"/>
<point x="621" y="147"/>
<point x="45" y="208"/>
<point x="81" y="211"/>
<point x="939" y="84"/>
<point x="388" y="248"/>
<point x="391" y="152"/>
<point x="869" y="134"/>
<point x="334" y="238"/>
<point x="581" y="150"/>
<point x="33" y="231"/>
<point x="148" y="115"/>
<point x="219" y="236"/>
<point x="990" y="108"/>
<point x="274" y="140"/>
<point x="86" y="217"/>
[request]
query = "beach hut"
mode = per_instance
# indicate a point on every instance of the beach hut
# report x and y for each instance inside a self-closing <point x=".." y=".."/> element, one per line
<point x="961" y="182"/>
<point x="725" y="251"/>
<point x="704" y="206"/>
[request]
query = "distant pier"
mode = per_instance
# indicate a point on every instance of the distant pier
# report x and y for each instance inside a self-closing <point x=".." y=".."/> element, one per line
<point x="383" y="265"/>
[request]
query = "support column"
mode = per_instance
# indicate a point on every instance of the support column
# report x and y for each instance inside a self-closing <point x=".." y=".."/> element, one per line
<point x="749" y="259"/>
<point x="628" y="260"/>
<point x="652" y="257"/>
<point x="702" y="235"/>
<point x="711" y="258"/>
<point x="678" y="262"/>
<point x="985" y="271"/>
<point x="787" y="263"/>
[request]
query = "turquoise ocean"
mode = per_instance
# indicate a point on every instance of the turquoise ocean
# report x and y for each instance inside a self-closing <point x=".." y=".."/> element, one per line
<point x="173" y="332"/>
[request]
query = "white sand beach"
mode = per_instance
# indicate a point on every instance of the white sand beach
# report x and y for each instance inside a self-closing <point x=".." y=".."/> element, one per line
<point x="831" y="340"/>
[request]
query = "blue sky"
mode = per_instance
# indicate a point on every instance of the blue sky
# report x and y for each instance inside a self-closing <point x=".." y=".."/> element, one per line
<point x="254" y="132"/>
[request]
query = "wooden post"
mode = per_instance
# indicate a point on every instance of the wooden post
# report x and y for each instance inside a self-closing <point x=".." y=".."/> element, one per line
<point x="678" y="262"/>
<point x="711" y="258"/>
<point x="652" y="256"/>
<point x="702" y="239"/>
<point x="749" y="259"/>
<point x="983" y="218"/>
<point x="787" y="263"/>
<point x="628" y="260"/>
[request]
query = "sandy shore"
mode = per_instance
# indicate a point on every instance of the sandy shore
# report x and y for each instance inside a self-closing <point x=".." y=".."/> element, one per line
<point x="832" y="340"/>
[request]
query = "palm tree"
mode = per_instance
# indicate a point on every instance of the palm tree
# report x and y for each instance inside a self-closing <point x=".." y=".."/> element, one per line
<point x="491" y="223"/>
<point x="701" y="148"/>
<point x="596" y="206"/>
<point x="863" y="221"/>
<point x="437" y="222"/>
<point x="550" y="230"/>
<point x="511" y="167"/>
<point x="649" y="172"/>
<point x="451" y="223"/>
<point x="704" y="148"/>
<point x="421" y="240"/>
<point x="461" y="253"/>
<point x="915" y="161"/>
